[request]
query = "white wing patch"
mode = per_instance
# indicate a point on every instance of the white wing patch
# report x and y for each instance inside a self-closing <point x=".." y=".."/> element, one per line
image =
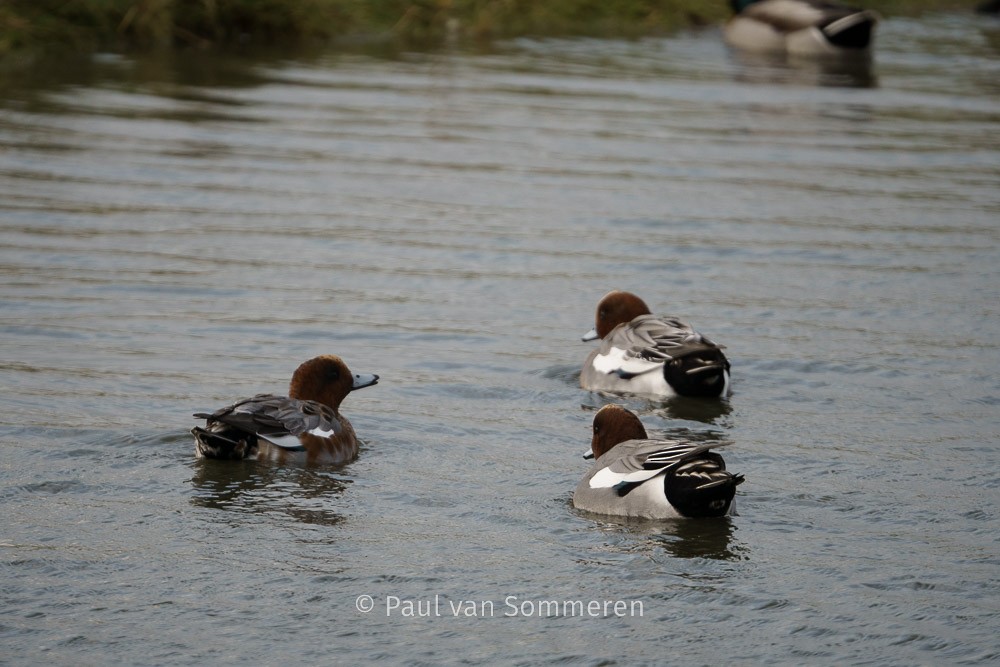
<point x="639" y="366"/>
<point x="610" y="362"/>
<point x="289" y="441"/>
<point x="605" y="478"/>
<point x="618" y="359"/>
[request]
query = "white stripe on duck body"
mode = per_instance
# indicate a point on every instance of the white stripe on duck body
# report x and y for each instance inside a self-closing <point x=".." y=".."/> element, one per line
<point x="304" y="427"/>
<point x="645" y="354"/>
<point x="635" y="476"/>
<point x="801" y="27"/>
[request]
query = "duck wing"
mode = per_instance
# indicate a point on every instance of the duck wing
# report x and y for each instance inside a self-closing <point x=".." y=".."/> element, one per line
<point x="635" y="461"/>
<point x="646" y="343"/>
<point x="277" y="419"/>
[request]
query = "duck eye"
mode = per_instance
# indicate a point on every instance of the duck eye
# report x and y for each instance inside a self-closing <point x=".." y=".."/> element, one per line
<point x="333" y="374"/>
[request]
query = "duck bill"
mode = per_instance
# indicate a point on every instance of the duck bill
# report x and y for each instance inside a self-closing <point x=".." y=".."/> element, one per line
<point x="588" y="455"/>
<point x="362" y="380"/>
<point x="590" y="335"/>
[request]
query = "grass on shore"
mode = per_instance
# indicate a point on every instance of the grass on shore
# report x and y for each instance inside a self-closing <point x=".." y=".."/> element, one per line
<point x="84" y="25"/>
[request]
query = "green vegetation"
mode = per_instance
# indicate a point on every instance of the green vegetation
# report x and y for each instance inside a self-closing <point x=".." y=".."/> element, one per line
<point x="48" y="25"/>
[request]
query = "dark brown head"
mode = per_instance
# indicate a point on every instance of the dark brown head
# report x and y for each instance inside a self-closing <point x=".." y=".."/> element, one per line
<point x="326" y="380"/>
<point x="616" y="308"/>
<point x="613" y="424"/>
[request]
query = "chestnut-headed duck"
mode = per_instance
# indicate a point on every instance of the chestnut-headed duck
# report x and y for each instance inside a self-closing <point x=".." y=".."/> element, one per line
<point x="645" y="354"/>
<point x="635" y="476"/>
<point x="801" y="28"/>
<point x="304" y="427"/>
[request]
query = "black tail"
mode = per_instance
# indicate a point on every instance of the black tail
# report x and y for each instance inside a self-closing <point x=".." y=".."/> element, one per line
<point x="851" y="32"/>
<point x="701" y="487"/>
<point x="698" y="374"/>
<point x="224" y="444"/>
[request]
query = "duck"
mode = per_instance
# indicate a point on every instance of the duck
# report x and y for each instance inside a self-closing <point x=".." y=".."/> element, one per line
<point x="800" y="27"/>
<point x="638" y="477"/>
<point x="641" y="353"/>
<point x="303" y="427"/>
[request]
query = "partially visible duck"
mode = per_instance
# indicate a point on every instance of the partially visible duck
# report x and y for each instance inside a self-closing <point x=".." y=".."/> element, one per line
<point x="800" y="27"/>
<point x="306" y="426"/>
<point x="651" y="479"/>
<point x="644" y="354"/>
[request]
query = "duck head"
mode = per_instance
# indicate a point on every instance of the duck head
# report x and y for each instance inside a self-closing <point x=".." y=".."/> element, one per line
<point x="327" y="379"/>
<point x="615" y="308"/>
<point x="613" y="424"/>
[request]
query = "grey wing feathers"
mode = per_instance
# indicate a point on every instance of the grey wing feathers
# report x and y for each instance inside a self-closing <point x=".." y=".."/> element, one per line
<point x="656" y="455"/>
<point x="664" y="338"/>
<point x="268" y="414"/>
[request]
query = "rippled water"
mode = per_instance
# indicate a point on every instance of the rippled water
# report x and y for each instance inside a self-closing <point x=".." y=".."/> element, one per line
<point x="177" y="234"/>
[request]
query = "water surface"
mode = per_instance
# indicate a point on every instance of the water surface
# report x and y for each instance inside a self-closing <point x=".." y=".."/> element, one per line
<point x="180" y="233"/>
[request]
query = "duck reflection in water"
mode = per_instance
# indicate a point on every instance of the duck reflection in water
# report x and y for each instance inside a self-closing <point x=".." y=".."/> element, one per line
<point x="249" y="487"/>
<point x="856" y="71"/>
<point x="713" y="540"/>
<point x="677" y="408"/>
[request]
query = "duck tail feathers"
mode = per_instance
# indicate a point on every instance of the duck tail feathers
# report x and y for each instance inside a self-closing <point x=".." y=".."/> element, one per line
<point x="853" y="31"/>
<point x="702" y="487"/>
<point x="701" y="373"/>
<point x="225" y="444"/>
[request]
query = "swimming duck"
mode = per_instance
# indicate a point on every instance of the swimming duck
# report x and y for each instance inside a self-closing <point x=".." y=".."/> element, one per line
<point x="800" y="27"/>
<point x="634" y="476"/>
<point x="305" y="426"/>
<point x="644" y="354"/>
